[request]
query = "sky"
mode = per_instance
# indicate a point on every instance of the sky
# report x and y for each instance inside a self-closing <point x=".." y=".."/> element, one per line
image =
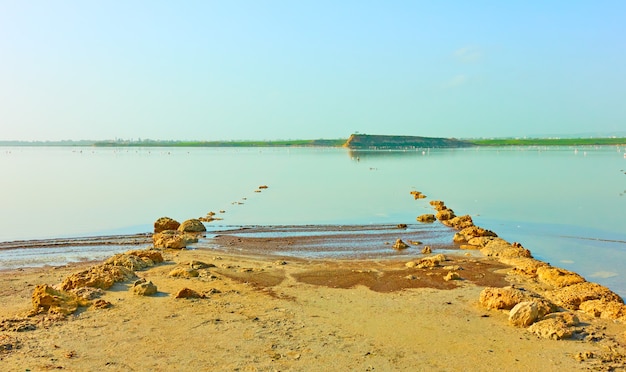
<point x="264" y="70"/>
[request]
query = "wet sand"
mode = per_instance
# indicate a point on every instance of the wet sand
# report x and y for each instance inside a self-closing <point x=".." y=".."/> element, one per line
<point x="265" y="310"/>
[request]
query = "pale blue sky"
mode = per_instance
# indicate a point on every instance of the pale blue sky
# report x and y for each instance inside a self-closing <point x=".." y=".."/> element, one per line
<point x="220" y="70"/>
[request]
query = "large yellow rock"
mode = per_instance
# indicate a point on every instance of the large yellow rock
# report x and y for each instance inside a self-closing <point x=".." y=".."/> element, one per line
<point x="557" y="277"/>
<point x="604" y="309"/>
<point x="101" y="276"/>
<point x="192" y="225"/>
<point x="502" y="298"/>
<point x="572" y="296"/>
<point x="47" y="299"/>
<point x="165" y="223"/>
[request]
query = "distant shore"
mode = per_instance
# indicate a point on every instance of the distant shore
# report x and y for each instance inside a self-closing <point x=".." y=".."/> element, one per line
<point x="370" y="142"/>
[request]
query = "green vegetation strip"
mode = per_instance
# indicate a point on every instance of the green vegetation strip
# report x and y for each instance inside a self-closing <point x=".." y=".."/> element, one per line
<point x="284" y="143"/>
<point x="550" y="142"/>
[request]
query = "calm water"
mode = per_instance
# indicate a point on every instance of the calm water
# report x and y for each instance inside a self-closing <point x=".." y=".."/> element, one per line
<point x="567" y="205"/>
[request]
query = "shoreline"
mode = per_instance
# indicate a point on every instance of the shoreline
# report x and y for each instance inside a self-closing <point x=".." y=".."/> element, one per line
<point x="247" y="304"/>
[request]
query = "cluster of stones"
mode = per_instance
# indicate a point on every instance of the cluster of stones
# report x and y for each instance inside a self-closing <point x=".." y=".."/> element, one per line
<point x="548" y="310"/>
<point x="170" y="234"/>
<point x="84" y="288"/>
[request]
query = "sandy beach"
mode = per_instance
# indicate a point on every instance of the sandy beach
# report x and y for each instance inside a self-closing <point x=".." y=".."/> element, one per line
<point x="255" y="312"/>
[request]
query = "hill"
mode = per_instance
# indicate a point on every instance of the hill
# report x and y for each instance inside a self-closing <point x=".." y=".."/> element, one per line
<point x="368" y="141"/>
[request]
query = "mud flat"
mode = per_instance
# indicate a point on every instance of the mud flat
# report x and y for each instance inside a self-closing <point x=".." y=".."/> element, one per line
<point x="241" y="300"/>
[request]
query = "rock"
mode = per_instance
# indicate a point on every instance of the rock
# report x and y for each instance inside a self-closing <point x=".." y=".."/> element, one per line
<point x="50" y="300"/>
<point x="101" y="304"/>
<point x="192" y="225"/>
<point x="459" y="238"/>
<point x="129" y="261"/>
<point x="460" y="222"/>
<point x="188" y="293"/>
<point x="604" y="309"/>
<point x="452" y="275"/>
<point x="571" y="297"/>
<point x="445" y="214"/>
<point x="426" y="218"/>
<point x="399" y="244"/>
<point x="171" y="239"/>
<point x="479" y="241"/>
<point x="418" y="195"/>
<point x="144" y="288"/>
<point x="557" y="277"/>
<point x="427" y="250"/>
<point x="524" y="314"/>
<point x="88" y="293"/>
<point x="184" y="272"/>
<point x="501" y="248"/>
<point x="165" y="223"/>
<point x="525" y="266"/>
<point x="556" y="326"/>
<point x="135" y="260"/>
<point x="411" y="264"/>
<point x="475" y="231"/>
<point x="401" y="226"/>
<point x="100" y="276"/>
<point x="198" y="265"/>
<point x="438" y="204"/>
<point x="502" y="298"/>
<point x="430" y="262"/>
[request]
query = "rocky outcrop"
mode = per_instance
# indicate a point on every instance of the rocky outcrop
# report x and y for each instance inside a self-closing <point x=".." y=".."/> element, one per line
<point x="604" y="309"/>
<point x="556" y="277"/>
<point x="571" y="297"/>
<point x="136" y="260"/>
<point x="165" y="223"/>
<point x="101" y="276"/>
<point x="173" y="239"/>
<point x="500" y="248"/>
<point x="445" y="214"/>
<point x="525" y="266"/>
<point x="459" y="222"/>
<point x="438" y="204"/>
<point x="475" y="231"/>
<point x="193" y="225"/>
<point x="47" y="299"/>
<point x="80" y="288"/>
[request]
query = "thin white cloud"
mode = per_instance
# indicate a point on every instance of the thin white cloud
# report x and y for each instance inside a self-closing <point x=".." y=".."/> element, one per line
<point x="468" y="54"/>
<point x="456" y="81"/>
<point x="604" y="274"/>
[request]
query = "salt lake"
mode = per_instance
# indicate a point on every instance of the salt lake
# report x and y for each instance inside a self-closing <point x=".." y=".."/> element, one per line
<point x="566" y="204"/>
